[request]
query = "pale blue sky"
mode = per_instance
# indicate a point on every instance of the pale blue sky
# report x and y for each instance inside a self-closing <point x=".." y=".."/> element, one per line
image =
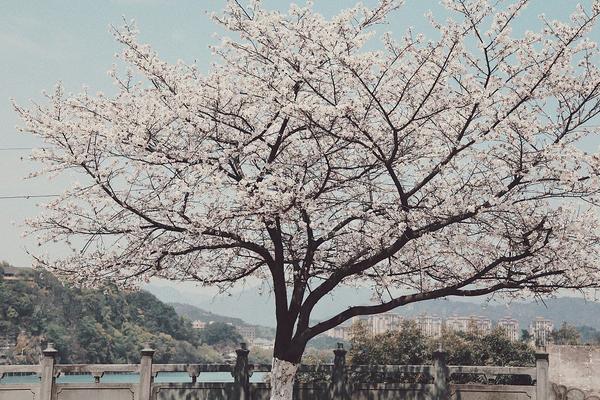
<point x="42" y="42"/>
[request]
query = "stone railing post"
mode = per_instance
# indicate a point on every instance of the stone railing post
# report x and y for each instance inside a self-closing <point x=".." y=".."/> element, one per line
<point x="542" y="385"/>
<point x="47" y="372"/>
<point x="241" y="373"/>
<point x="441" y="378"/>
<point x="339" y="389"/>
<point x="146" y="375"/>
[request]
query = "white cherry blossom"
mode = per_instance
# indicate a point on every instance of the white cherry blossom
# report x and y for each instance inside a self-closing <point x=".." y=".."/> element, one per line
<point x="304" y="157"/>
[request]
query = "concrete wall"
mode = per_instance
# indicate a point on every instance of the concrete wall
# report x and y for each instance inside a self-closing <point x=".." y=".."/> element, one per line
<point x="575" y="366"/>
<point x="382" y="391"/>
<point x="93" y="392"/>
<point x="19" y="392"/>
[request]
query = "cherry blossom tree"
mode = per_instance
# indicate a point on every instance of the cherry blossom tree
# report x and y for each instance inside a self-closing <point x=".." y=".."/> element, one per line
<point x="314" y="154"/>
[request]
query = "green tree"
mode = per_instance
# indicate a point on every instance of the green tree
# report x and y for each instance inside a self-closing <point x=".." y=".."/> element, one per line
<point x="360" y="344"/>
<point x="566" y="335"/>
<point x="405" y="346"/>
<point x="526" y="336"/>
<point x="58" y="335"/>
<point x="409" y="346"/>
<point x="220" y="334"/>
<point x="589" y="335"/>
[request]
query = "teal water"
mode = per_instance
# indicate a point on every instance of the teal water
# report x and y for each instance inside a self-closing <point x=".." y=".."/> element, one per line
<point x="162" y="377"/>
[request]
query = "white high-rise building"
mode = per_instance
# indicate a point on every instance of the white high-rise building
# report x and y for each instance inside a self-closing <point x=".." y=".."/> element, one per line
<point x="472" y="324"/>
<point x="540" y="329"/>
<point x="483" y="325"/>
<point x="457" y="323"/>
<point x="429" y="325"/>
<point x="339" y="332"/>
<point x="383" y="323"/>
<point x="510" y="327"/>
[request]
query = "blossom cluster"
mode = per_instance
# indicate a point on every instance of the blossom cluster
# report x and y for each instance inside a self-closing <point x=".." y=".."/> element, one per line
<point x="306" y="152"/>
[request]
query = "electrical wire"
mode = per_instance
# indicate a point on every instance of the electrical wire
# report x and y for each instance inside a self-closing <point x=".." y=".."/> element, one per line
<point x="28" y="196"/>
<point x="22" y="148"/>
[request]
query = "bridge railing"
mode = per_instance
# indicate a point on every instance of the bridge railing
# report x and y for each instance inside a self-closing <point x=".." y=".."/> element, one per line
<point x="340" y="376"/>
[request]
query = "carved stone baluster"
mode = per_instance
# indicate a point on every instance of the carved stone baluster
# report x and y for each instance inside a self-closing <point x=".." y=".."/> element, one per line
<point x="97" y="375"/>
<point x="47" y="377"/>
<point x="193" y="371"/>
<point x="146" y="375"/>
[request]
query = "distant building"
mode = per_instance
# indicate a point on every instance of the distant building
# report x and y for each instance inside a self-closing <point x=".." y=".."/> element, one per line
<point x="477" y="325"/>
<point x="457" y="323"/>
<point x="429" y="325"/>
<point x="6" y="344"/>
<point x="198" y="324"/>
<point x="540" y="330"/>
<point x="339" y="332"/>
<point x="10" y="273"/>
<point x="510" y="327"/>
<point x="263" y="343"/>
<point x="386" y="322"/>
<point x="483" y="325"/>
<point x="247" y="332"/>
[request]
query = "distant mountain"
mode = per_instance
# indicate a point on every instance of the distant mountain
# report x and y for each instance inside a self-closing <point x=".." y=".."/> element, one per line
<point x="246" y="305"/>
<point x="194" y="313"/>
<point x="254" y="308"/>
<point x="168" y="294"/>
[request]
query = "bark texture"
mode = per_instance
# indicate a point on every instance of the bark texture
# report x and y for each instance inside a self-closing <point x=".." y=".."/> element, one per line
<point x="283" y="374"/>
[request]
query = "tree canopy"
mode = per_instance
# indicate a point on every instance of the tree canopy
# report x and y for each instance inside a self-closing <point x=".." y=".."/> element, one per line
<point x="408" y="346"/>
<point x="221" y="333"/>
<point x="566" y="335"/>
<point x="311" y="157"/>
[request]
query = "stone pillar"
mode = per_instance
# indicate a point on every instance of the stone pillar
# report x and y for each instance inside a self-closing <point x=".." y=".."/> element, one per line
<point x="339" y="389"/>
<point x="441" y="376"/>
<point x="146" y="375"/>
<point x="47" y="372"/>
<point x="542" y="385"/>
<point x="241" y="374"/>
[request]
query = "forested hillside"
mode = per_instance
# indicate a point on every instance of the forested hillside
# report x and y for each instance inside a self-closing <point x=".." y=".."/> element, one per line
<point x="92" y="326"/>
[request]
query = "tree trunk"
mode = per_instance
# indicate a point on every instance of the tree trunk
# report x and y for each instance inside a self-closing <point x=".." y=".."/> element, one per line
<point x="283" y="374"/>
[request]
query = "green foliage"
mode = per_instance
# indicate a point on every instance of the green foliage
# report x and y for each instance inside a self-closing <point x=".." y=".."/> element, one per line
<point x="409" y="346"/>
<point x="526" y="336"/>
<point x="3" y="266"/>
<point x="221" y="334"/>
<point x="406" y="346"/>
<point x="360" y="344"/>
<point x="95" y="326"/>
<point x="589" y="335"/>
<point x="566" y="335"/>
<point x="260" y="355"/>
<point x="493" y="349"/>
<point x="322" y="342"/>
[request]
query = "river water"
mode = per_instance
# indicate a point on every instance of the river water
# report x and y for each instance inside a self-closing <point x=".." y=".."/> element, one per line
<point x="134" y="378"/>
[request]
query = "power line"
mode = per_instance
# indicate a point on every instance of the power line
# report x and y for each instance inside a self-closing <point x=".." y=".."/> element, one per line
<point x="22" y="148"/>
<point x="28" y="196"/>
<point x="37" y="196"/>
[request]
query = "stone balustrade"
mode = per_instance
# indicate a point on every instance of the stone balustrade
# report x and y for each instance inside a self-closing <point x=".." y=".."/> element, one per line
<point x="338" y="384"/>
